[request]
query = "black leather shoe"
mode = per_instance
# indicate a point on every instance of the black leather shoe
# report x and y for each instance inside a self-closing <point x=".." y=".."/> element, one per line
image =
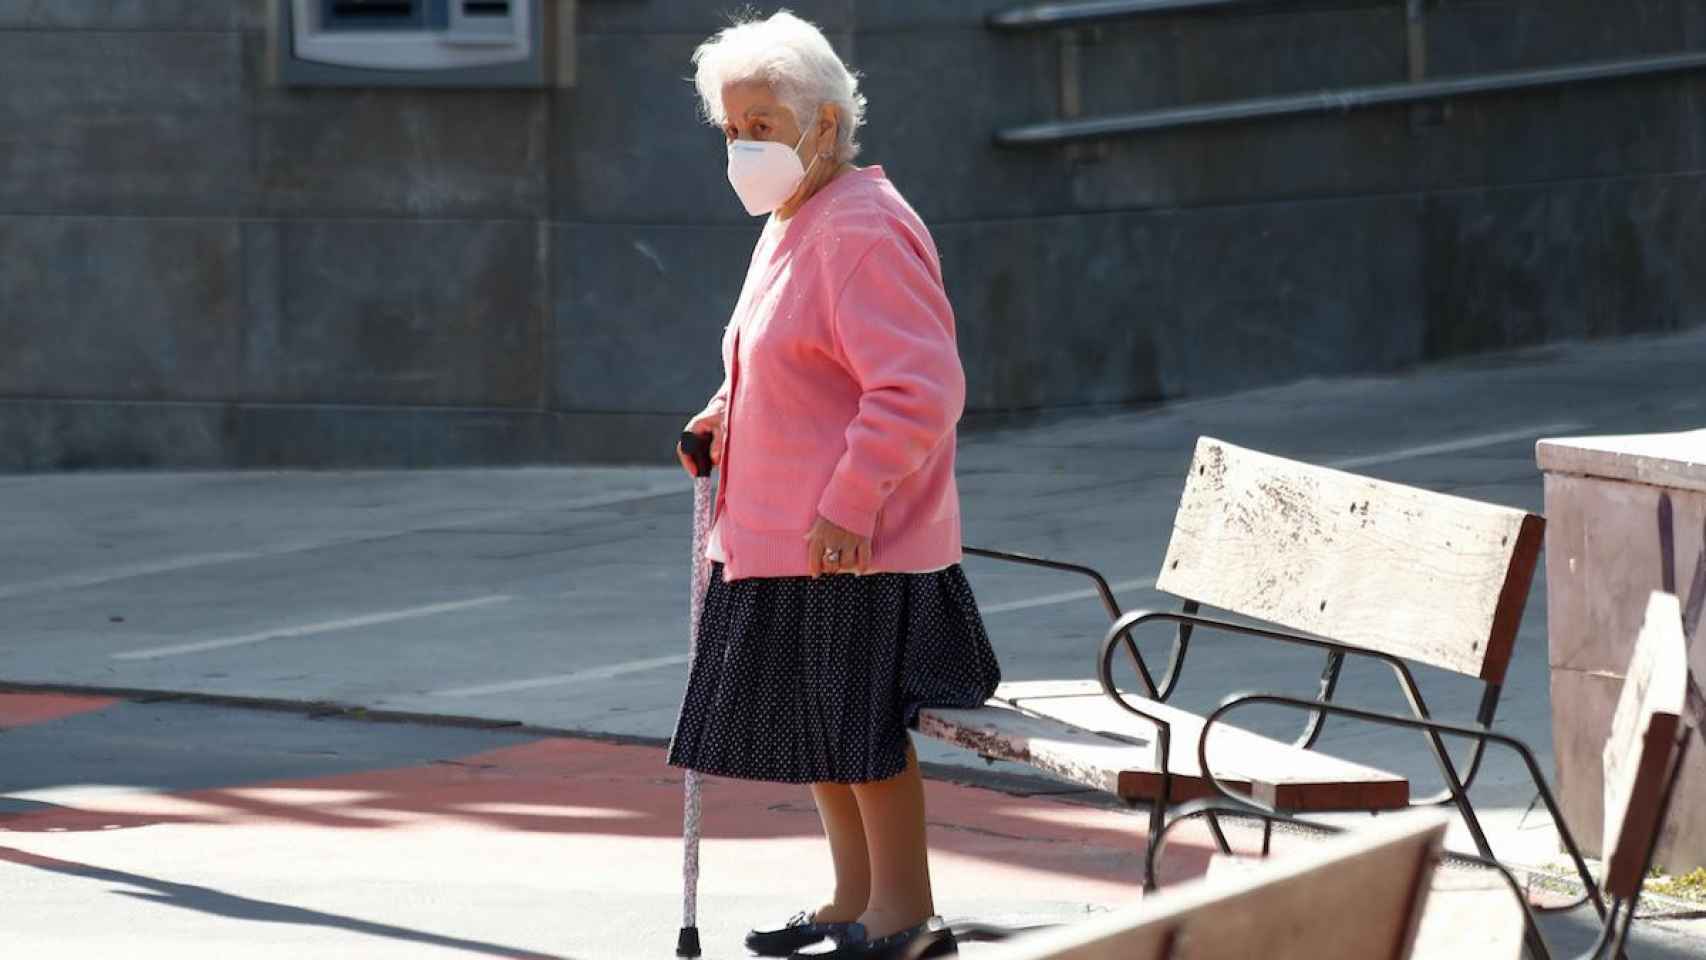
<point x="800" y="931"/>
<point x="927" y="941"/>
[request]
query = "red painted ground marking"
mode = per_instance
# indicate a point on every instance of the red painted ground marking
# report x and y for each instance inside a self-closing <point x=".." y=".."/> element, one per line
<point x="26" y="709"/>
<point x="605" y="794"/>
<point x="587" y="787"/>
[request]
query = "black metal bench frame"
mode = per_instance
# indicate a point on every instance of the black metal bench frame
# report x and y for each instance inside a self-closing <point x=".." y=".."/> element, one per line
<point x="1616" y="917"/>
<point x="1186" y="621"/>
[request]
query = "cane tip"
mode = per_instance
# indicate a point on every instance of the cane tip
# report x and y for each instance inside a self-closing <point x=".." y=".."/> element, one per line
<point x="687" y="945"/>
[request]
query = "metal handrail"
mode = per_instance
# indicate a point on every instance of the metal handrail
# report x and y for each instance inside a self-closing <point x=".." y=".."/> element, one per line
<point x="1046" y="16"/>
<point x="1341" y="101"/>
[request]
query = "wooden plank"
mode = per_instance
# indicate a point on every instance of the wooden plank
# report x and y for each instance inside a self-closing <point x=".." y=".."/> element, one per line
<point x="1069" y="729"/>
<point x="1429" y="577"/>
<point x="1000" y="731"/>
<point x="1288" y="908"/>
<point x="1638" y="755"/>
<point x="1661" y="459"/>
<point x="1289" y="778"/>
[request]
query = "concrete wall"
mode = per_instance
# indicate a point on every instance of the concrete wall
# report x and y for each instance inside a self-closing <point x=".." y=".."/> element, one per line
<point x="200" y="269"/>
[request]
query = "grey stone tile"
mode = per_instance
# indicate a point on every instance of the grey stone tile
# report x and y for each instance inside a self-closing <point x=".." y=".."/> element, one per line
<point x="640" y="313"/>
<point x="1506" y="268"/>
<point x="50" y="435"/>
<point x="702" y="17"/>
<point x="1287" y="51"/>
<point x="1480" y="37"/>
<point x="936" y="100"/>
<point x="78" y="435"/>
<point x="627" y="438"/>
<point x="1055" y="312"/>
<point x="1640" y="126"/>
<point x="1127" y="66"/>
<point x="1214" y="60"/>
<point x="119" y="308"/>
<point x="437" y="312"/>
<point x="630" y="144"/>
<point x="131" y="14"/>
<point x="1644" y="267"/>
<point x="1637" y="126"/>
<point x="1281" y="159"/>
<point x="1268" y="293"/>
<point x="990" y="270"/>
<point x="348" y="437"/>
<point x="395" y="152"/>
<point x="1556" y="261"/>
<point x="1104" y="295"/>
<point x="888" y="15"/>
<point x="121" y="123"/>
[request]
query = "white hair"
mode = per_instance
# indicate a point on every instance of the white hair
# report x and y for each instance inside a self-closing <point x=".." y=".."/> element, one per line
<point x="795" y="59"/>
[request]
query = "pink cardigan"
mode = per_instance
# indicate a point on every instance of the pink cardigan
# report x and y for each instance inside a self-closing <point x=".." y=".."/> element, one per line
<point x="842" y="390"/>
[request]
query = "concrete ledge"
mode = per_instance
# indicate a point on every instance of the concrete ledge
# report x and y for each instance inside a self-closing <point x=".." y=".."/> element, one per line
<point x="72" y="435"/>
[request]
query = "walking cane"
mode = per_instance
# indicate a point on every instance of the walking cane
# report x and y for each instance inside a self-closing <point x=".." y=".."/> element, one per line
<point x="697" y="446"/>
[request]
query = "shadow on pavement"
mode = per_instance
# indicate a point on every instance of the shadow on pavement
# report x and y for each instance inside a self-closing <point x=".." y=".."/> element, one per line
<point x="208" y="901"/>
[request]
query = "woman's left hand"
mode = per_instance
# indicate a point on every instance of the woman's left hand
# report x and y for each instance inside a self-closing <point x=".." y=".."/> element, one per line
<point x="851" y="553"/>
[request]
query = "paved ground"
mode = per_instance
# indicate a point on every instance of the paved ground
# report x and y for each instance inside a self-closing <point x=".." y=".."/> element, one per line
<point x="194" y="831"/>
<point x="269" y="834"/>
<point x="556" y="597"/>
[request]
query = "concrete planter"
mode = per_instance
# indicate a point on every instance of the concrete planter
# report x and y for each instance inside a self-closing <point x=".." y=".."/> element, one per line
<point x="1625" y="516"/>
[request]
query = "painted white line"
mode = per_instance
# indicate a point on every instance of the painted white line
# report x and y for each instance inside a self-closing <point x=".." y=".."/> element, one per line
<point x="95" y="578"/>
<point x="566" y="679"/>
<point x="73" y="581"/>
<point x="1051" y="599"/>
<point x="1454" y="446"/>
<point x="310" y="629"/>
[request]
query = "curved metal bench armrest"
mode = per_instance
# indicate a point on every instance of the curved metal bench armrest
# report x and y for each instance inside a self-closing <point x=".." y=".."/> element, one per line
<point x="1122" y="627"/>
<point x="1106" y="592"/>
<point x="1137" y="618"/>
<point x="1163" y="729"/>
<point x="1521" y="749"/>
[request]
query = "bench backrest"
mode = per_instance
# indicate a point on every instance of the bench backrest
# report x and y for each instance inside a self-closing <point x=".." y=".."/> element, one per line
<point x="1638" y="755"/>
<point x="1425" y="576"/>
<point x="1358" y="896"/>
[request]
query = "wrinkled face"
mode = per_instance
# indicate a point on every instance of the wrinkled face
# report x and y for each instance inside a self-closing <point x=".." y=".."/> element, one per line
<point x="752" y="112"/>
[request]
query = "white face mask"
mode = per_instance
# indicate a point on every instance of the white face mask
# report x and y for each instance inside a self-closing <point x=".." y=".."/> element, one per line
<point x="765" y="173"/>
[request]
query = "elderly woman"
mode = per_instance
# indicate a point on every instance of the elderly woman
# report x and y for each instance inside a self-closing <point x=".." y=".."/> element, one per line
<point x="837" y="607"/>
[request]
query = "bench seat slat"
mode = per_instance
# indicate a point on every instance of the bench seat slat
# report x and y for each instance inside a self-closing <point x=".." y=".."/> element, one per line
<point x="1056" y="726"/>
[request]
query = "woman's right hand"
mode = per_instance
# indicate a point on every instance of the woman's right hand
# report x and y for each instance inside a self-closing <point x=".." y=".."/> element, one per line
<point x="711" y="422"/>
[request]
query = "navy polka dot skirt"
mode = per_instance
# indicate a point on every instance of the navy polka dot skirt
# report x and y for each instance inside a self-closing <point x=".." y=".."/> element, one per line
<point x="798" y="680"/>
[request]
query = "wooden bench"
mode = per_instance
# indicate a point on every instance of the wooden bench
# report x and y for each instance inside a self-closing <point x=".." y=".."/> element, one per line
<point x="1346" y="565"/>
<point x="1642" y="761"/>
<point x="1286" y="909"/>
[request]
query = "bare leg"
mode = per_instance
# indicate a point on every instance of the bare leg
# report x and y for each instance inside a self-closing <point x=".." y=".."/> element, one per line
<point x="846" y="833"/>
<point x="893" y="813"/>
